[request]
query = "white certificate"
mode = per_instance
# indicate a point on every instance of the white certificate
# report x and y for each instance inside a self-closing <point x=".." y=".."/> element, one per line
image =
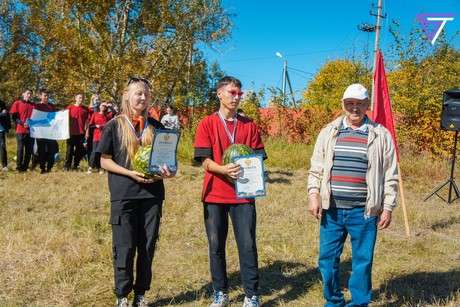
<point x="164" y="150"/>
<point x="251" y="182"/>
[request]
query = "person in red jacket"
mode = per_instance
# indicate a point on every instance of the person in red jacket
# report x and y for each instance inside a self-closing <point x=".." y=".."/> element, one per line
<point x="46" y="148"/>
<point x="78" y="124"/>
<point x="20" y="112"/>
<point x="97" y="123"/>
<point x="214" y="134"/>
<point x="93" y="108"/>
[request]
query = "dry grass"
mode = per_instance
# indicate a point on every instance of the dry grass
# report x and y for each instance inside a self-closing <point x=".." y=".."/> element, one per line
<point x="55" y="241"/>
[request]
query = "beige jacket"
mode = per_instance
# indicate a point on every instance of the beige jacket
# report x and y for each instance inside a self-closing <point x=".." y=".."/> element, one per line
<point x="382" y="171"/>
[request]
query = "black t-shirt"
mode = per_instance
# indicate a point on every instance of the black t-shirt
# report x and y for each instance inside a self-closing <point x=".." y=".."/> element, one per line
<point x="123" y="187"/>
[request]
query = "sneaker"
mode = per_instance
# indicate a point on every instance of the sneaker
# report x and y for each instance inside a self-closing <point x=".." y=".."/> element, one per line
<point x="101" y="171"/>
<point x="221" y="299"/>
<point x="5" y="169"/>
<point x="254" y="301"/>
<point x="90" y="170"/>
<point x="139" y="301"/>
<point x="123" y="302"/>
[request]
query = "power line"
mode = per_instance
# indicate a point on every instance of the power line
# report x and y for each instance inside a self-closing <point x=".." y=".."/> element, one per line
<point x="302" y="71"/>
<point x="289" y="55"/>
<point x="302" y="76"/>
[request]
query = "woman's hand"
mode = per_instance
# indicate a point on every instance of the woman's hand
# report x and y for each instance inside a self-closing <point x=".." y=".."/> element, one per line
<point x="163" y="174"/>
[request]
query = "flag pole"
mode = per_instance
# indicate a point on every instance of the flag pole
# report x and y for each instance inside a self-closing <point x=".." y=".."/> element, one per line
<point x="403" y="201"/>
<point x="381" y="113"/>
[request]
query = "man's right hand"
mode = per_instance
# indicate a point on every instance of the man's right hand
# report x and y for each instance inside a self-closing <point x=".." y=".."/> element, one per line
<point x="315" y="206"/>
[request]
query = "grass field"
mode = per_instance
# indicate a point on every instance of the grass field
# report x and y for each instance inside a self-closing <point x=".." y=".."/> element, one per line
<point x="56" y="241"/>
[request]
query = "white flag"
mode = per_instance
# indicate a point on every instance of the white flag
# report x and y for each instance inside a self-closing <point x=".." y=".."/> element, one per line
<point x="49" y="125"/>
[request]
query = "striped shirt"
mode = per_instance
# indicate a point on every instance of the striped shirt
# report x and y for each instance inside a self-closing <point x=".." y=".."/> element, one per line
<point x="348" y="178"/>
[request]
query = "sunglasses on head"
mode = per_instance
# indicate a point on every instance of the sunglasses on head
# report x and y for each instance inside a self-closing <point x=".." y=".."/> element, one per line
<point x="235" y="93"/>
<point x="134" y="79"/>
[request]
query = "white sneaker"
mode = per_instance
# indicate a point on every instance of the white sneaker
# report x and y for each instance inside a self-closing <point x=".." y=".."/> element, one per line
<point x="5" y="169"/>
<point x="139" y="301"/>
<point x="123" y="302"/>
<point x="254" y="301"/>
<point x="221" y="299"/>
<point x="90" y="170"/>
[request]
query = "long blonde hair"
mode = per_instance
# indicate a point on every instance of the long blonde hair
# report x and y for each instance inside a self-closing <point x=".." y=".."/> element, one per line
<point x="129" y="142"/>
<point x="93" y="97"/>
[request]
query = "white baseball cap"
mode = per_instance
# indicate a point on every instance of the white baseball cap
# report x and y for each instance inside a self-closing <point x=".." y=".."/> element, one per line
<point x="356" y="91"/>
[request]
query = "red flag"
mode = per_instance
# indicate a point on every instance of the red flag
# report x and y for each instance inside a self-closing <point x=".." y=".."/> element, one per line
<point x="381" y="112"/>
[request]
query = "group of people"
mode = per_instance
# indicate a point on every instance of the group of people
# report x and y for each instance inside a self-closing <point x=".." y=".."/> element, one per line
<point x="352" y="185"/>
<point x="85" y="130"/>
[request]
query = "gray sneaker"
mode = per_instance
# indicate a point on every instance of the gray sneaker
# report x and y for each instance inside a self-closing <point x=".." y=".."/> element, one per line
<point x="123" y="302"/>
<point x="139" y="301"/>
<point x="254" y="301"/>
<point x="221" y="299"/>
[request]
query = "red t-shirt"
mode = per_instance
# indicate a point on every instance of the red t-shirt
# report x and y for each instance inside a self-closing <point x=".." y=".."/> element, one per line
<point x="211" y="141"/>
<point x="99" y="119"/>
<point x="78" y="116"/>
<point x="45" y="107"/>
<point x="23" y="110"/>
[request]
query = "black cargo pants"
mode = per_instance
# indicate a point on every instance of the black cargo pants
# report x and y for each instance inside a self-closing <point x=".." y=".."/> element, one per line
<point x="135" y="226"/>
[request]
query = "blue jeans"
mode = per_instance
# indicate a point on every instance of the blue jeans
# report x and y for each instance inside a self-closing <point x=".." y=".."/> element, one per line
<point x="336" y="224"/>
<point x="244" y="227"/>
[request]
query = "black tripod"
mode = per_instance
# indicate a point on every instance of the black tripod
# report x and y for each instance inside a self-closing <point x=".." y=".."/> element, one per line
<point x="450" y="181"/>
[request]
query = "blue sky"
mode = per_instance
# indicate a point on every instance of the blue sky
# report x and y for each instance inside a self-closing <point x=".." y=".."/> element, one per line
<point x="309" y="33"/>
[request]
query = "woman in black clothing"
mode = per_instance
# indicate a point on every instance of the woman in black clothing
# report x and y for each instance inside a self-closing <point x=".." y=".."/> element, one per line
<point x="136" y="201"/>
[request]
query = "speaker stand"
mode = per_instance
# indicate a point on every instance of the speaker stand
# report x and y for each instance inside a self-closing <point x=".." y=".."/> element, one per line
<point x="450" y="181"/>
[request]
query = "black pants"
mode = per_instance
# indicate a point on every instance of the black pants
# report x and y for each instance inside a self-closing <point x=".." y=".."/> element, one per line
<point x="135" y="226"/>
<point x="75" y="150"/>
<point x="243" y="218"/>
<point x="46" y="150"/>
<point x="24" y="151"/>
<point x="3" y="153"/>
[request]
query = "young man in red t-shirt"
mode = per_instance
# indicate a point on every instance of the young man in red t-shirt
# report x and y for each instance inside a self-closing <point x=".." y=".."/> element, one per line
<point x="20" y="112"/>
<point x="214" y="134"/>
<point x="78" y="124"/>
<point x="46" y="148"/>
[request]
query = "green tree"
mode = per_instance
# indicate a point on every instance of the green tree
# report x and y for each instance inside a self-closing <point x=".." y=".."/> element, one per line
<point x="326" y="89"/>
<point x="420" y="75"/>
<point x="15" y="65"/>
<point x="251" y="100"/>
<point x="94" y="46"/>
